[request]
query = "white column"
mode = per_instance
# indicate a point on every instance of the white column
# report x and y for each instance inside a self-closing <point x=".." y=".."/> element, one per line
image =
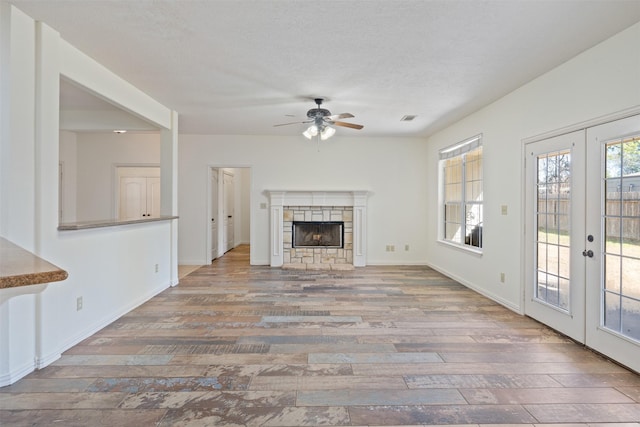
<point x="169" y="188"/>
<point x="360" y="228"/>
<point x="277" y="218"/>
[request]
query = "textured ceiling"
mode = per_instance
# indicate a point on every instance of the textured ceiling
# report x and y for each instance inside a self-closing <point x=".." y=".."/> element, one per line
<point x="239" y="66"/>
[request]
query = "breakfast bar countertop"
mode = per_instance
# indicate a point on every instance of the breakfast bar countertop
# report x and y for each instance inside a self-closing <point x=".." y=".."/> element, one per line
<point x="19" y="267"/>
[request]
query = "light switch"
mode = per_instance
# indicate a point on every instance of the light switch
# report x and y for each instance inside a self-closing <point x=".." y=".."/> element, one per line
<point x="503" y="209"/>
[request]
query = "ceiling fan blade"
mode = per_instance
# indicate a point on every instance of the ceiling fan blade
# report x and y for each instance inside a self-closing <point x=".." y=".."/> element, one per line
<point x="292" y="123"/>
<point x="348" y="125"/>
<point x="340" y="116"/>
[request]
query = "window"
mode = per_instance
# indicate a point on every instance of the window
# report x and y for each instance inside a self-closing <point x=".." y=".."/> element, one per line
<point x="461" y="193"/>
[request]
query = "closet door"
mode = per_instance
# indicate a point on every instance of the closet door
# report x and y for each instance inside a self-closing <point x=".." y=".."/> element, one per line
<point x="133" y="198"/>
<point x="139" y="192"/>
<point x="153" y="197"/>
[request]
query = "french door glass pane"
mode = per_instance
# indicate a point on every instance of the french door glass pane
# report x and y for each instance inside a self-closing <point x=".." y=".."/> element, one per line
<point x="612" y="273"/>
<point x="621" y="222"/>
<point x="553" y="225"/>
<point x="630" y="318"/>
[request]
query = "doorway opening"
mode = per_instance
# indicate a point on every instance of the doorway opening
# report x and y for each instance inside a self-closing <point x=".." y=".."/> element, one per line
<point x="228" y="225"/>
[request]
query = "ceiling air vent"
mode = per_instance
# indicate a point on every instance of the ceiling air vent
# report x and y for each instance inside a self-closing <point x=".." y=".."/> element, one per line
<point x="408" y="118"/>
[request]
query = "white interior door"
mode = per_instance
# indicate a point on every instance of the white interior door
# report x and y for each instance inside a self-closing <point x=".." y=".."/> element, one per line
<point x="228" y="208"/>
<point x="139" y="192"/>
<point x="214" y="214"/>
<point x="153" y="197"/>
<point x="133" y="197"/>
<point x="555" y="233"/>
<point x="613" y="248"/>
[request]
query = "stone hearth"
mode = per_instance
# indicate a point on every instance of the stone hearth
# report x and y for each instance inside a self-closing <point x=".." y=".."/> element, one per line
<point x="349" y="207"/>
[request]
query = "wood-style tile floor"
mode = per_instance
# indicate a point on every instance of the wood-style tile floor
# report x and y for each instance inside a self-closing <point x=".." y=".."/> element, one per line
<point x="235" y="345"/>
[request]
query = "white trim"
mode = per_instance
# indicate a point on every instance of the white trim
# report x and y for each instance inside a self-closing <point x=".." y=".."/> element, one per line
<point x="107" y="320"/>
<point x="480" y="290"/>
<point x="43" y="361"/>
<point x="17" y="374"/>
<point x="607" y="118"/>
<point x="465" y="248"/>
<point x="461" y="147"/>
<point x="397" y="263"/>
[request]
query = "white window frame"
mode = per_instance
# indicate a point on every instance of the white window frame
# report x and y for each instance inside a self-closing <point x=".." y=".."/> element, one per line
<point x="460" y="150"/>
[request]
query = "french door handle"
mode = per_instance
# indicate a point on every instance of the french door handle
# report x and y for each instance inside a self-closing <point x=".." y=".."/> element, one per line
<point x="588" y="253"/>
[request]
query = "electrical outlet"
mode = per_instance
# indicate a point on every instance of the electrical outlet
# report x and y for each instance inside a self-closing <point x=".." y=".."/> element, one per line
<point x="406" y="247"/>
<point x="263" y="206"/>
<point x="78" y="303"/>
<point x="503" y="209"/>
<point x="501" y="277"/>
<point x="156" y="268"/>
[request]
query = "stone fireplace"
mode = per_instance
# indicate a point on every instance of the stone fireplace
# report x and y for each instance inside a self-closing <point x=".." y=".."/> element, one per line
<point x="319" y="230"/>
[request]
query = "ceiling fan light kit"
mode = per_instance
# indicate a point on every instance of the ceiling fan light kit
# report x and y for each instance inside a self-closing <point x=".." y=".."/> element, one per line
<point x="311" y="131"/>
<point x="327" y="132"/>
<point x="320" y="119"/>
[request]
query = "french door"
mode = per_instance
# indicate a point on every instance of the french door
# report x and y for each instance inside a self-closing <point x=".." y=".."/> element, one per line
<point x="613" y="211"/>
<point x="583" y="237"/>
<point x="555" y="233"/>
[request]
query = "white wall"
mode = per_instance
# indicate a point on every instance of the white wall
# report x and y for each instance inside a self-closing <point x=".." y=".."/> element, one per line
<point x="17" y="183"/>
<point x="112" y="269"/>
<point x="244" y="232"/>
<point x="599" y="82"/>
<point x="391" y="168"/>
<point x="69" y="166"/>
<point x="98" y="154"/>
<point x="18" y="92"/>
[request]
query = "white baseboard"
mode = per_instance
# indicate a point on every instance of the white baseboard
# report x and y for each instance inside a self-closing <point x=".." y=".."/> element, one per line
<point x="107" y="320"/>
<point x="193" y="262"/>
<point x="395" y="263"/>
<point x="481" y="291"/>
<point x="42" y="361"/>
<point x="17" y="374"/>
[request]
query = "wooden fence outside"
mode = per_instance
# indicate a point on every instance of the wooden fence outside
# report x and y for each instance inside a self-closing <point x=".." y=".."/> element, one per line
<point x="553" y="214"/>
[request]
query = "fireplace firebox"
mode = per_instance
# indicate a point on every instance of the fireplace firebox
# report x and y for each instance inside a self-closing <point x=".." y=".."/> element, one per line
<point x="318" y="234"/>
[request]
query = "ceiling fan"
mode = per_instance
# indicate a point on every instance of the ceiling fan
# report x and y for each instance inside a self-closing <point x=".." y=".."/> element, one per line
<point x="320" y="119"/>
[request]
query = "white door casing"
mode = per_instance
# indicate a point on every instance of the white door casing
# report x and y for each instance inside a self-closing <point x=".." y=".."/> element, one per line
<point x="215" y="217"/>
<point x="228" y="210"/>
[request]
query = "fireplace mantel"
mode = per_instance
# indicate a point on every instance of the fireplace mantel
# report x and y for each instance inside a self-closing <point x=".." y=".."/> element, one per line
<point x="278" y="199"/>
